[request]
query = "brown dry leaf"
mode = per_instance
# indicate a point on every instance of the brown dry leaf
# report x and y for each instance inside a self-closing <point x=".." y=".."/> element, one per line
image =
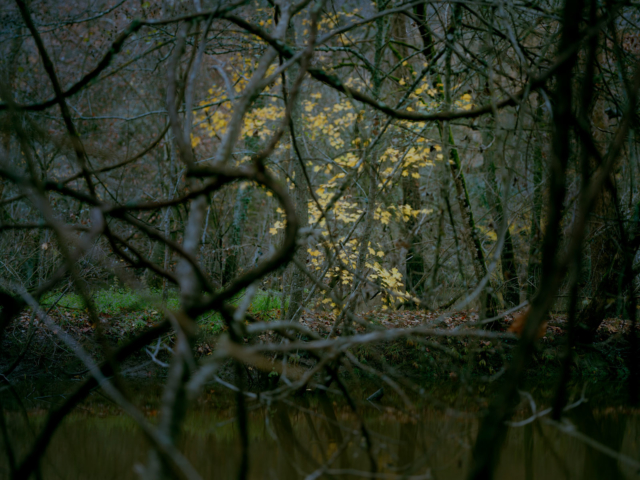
<point x="520" y="321"/>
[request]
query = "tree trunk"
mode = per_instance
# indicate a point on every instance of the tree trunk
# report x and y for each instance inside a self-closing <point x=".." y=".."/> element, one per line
<point x="511" y="286"/>
<point x="368" y="224"/>
<point x="607" y="258"/>
<point x="300" y="196"/>
<point x="240" y="209"/>
<point x="469" y="230"/>
<point x="414" y="261"/>
<point x="534" y="267"/>
<point x="430" y="294"/>
<point x="605" y="241"/>
<point x="160" y="254"/>
<point x="415" y="267"/>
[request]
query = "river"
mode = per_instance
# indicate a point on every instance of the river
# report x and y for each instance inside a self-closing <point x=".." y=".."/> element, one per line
<point x="316" y="435"/>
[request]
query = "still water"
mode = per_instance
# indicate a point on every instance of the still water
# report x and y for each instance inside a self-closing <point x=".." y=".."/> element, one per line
<point x="293" y="440"/>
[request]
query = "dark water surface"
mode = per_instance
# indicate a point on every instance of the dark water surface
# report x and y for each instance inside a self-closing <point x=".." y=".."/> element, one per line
<point x="292" y="440"/>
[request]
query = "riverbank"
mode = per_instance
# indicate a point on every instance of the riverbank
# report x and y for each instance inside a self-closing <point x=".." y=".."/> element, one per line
<point x="122" y="316"/>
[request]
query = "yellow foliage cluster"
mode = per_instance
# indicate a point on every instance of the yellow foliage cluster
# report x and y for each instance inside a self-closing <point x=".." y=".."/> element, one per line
<point x="332" y="20"/>
<point x="213" y="113"/>
<point x="349" y="160"/>
<point x="256" y="121"/>
<point x="464" y="102"/>
<point x="414" y="158"/>
<point x="330" y="123"/>
<point x="344" y="210"/>
<point x="488" y="232"/>
<point x="402" y="212"/>
<point x="391" y="279"/>
<point x="276" y="227"/>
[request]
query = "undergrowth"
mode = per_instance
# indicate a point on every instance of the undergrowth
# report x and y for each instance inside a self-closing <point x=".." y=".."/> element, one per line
<point x="137" y="309"/>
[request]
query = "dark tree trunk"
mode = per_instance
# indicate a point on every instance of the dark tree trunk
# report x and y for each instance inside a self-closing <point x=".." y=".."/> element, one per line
<point x="414" y="261"/>
<point x="300" y="196"/>
<point x="608" y="236"/>
<point x="534" y="267"/>
<point x="511" y="286"/>
<point x="241" y="207"/>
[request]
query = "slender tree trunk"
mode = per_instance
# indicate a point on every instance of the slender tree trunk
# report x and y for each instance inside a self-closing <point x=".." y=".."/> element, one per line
<point x="605" y="241"/>
<point x="436" y="263"/>
<point x="240" y="209"/>
<point x="244" y="196"/>
<point x="469" y="230"/>
<point x="414" y="261"/>
<point x="167" y="217"/>
<point x="368" y="224"/>
<point x="298" y="279"/>
<point x="160" y="254"/>
<point x="511" y="286"/>
<point x="607" y="258"/>
<point x="445" y="196"/>
<point x="300" y="196"/>
<point x="415" y="266"/>
<point x="8" y="69"/>
<point x="534" y="267"/>
<point x="633" y="363"/>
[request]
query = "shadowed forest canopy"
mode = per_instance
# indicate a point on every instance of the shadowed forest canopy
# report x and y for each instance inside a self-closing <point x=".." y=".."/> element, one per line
<point x="277" y="197"/>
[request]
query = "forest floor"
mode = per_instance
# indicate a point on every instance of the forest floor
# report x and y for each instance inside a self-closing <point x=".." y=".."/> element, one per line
<point x="122" y="315"/>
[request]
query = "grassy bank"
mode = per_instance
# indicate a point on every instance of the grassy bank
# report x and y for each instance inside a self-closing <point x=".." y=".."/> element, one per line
<point x="133" y="310"/>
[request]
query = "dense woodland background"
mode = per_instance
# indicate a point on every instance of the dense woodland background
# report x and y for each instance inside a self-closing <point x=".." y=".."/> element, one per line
<point x="342" y="157"/>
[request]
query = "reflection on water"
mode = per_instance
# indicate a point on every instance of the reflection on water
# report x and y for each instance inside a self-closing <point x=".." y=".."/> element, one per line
<point x="317" y="432"/>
